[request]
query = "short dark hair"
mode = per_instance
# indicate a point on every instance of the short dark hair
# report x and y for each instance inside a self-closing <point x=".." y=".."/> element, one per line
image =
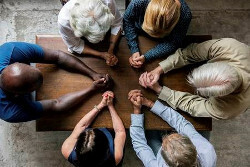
<point x="92" y="148"/>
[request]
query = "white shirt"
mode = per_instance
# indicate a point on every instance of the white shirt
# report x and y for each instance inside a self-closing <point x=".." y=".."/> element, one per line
<point x="76" y="44"/>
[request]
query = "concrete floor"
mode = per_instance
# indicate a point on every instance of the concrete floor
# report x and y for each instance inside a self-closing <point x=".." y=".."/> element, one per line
<point x="22" y="146"/>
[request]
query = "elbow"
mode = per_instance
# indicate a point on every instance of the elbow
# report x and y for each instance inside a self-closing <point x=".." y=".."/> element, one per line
<point x="55" y="106"/>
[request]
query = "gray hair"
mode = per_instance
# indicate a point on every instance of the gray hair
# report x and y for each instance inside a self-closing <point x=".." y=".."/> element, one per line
<point x="91" y="19"/>
<point x="214" y="79"/>
<point x="178" y="151"/>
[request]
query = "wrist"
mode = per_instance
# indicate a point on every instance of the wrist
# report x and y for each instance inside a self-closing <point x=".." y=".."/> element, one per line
<point x="101" y="54"/>
<point x="148" y="103"/>
<point x="93" y="74"/>
<point x="158" y="89"/>
<point x="100" y="106"/>
<point x="137" y="110"/>
<point x="159" y="70"/>
<point x="110" y="105"/>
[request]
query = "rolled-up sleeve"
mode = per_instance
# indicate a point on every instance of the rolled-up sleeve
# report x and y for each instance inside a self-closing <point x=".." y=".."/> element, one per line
<point x="117" y="23"/>
<point x="73" y="43"/>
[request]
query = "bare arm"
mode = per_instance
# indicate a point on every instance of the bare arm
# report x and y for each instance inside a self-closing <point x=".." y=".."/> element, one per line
<point x="66" y="102"/>
<point x="67" y="61"/>
<point x="120" y="134"/>
<point x="69" y="143"/>
<point x="88" y="50"/>
<point x="113" y="42"/>
<point x="70" y="100"/>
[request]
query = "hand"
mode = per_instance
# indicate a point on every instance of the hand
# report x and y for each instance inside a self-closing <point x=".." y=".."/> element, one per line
<point x="136" y="60"/>
<point x="103" y="83"/>
<point x="144" y="81"/>
<point x="111" y="59"/>
<point x="154" y="75"/>
<point x="107" y="99"/>
<point x="135" y="97"/>
<point x="145" y="101"/>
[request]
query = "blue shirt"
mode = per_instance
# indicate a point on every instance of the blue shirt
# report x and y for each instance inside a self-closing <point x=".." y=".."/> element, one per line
<point x="206" y="153"/>
<point x="132" y="25"/>
<point x="21" y="108"/>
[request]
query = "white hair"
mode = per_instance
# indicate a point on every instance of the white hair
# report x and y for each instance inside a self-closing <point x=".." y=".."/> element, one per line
<point x="214" y="79"/>
<point x="91" y="19"/>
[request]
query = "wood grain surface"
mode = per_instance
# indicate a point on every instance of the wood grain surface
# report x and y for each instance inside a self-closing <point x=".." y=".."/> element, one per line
<point x="58" y="82"/>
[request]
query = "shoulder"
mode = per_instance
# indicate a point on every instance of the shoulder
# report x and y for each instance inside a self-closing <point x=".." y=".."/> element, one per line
<point x="64" y="14"/>
<point x="15" y="109"/>
<point x="138" y="4"/>
<point x="8" y="109"/>
<point x="5" y="54"/>
<point x="205" y="150"/>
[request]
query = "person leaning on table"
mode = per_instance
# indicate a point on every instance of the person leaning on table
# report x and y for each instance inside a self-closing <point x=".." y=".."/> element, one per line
<point x="90" y="19"/>
<point x="96" y="147"/>
<point x="222" y="83"/>
<point x="166" y="21"/>
<point x="18" y="79"/>
<point x="186" y="148"/>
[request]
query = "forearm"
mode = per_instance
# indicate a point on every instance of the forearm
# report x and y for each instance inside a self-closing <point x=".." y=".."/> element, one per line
<point x="139" y="142"/>
<point x="160" y="50"/>
<point x="174" y="119"/>
<point x="113" y="41"/>
<point x="193" y="104"/>
<point x="193" y="53"/>
<point x="116" y="120"/>
<point x="90" y="116"/>
<point x="88" y="50"/>
<point x="130" y="34"/>
<point x="72" y="63"/>
<point x="67" y="101"/>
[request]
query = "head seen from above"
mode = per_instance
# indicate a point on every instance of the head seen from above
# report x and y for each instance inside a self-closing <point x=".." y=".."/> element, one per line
<point x="19" y="78"/>
<point x="215" y="79"/>
<point x="161" y="16"/>
<point x="178" y="151"/>
<point x="92" y="148"/>
<point x="91" y="19"/>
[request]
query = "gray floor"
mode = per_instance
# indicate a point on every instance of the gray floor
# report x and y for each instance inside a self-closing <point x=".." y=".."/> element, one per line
<point x="22" y="146"/>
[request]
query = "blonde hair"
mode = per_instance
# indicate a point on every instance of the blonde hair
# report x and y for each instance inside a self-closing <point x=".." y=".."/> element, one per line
<point x="179" y="151"/>
<point x="214" y="79"/>
<point x="91" y="19"/>
<point x="160" y="18"/>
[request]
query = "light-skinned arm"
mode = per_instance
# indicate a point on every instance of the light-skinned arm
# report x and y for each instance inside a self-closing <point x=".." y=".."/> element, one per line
<point x="84" y="123"/>
<point x="120" y="133"/>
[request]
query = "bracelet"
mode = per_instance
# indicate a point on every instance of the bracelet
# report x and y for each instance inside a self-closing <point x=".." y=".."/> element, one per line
<point x="97" y="108"/>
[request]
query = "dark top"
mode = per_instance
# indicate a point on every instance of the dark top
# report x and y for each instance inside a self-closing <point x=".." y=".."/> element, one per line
<point x="21" y="108"/>
<point x="110" y="159"/>
<point x="133" y="20"/>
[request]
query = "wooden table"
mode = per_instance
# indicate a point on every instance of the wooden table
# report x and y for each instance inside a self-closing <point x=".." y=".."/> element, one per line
<point x="58" y="82"/>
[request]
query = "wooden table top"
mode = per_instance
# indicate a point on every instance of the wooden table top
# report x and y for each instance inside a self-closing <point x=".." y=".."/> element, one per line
<point x="58" y="82"/>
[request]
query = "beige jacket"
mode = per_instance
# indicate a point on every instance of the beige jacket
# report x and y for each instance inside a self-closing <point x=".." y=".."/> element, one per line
<point x="228" y="50"/>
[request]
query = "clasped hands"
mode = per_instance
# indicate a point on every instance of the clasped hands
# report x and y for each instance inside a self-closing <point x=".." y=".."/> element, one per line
<point x="110" y="58"/>
<point x="137" y="99"/>
<point x="136" y="60"/>
<point x="150" y="80"/>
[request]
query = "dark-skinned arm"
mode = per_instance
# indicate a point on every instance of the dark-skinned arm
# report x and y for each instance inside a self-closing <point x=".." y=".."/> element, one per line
<point x="70" y="100"/>
<point x="69" y="62"/>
